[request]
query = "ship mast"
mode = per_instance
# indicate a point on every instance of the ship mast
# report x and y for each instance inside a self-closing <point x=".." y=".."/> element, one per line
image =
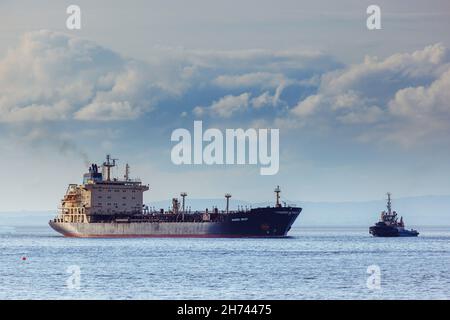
<point x="277" y="191"/>
<point x="108" y="165"/>
<point x="228" y="196"/>
<point x="183" y="195"/>
<point x="127" y="172"/>
<point x="389" y="204"/>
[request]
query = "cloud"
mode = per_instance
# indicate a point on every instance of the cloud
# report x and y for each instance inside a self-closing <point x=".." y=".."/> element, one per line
<point x="267" y="99"/>
<point x="371" y="114"/>
<point x="421" y="112"/>
<point x="263" y="100"/>
<point x="248" y="80"/>
<point x="230" y="105"/>
<point x="63" y="83"/>
<point x="248" y="65"/>
<point x="404" y="98"/>
<point x="423" y="101"/>
<point x="53" y="76"/>
<point x="108" y="110"/>
<point x="261" y="80"/>
<point x="307" y="106"/>
<point x="378" y="78"/>
<point x="226" y="106"/>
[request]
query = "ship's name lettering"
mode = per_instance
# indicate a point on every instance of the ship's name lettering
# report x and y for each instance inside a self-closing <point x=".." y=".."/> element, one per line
<point x="239" y="219"/>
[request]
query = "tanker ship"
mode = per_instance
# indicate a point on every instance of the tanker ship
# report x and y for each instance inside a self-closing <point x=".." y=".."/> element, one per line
<point x="103" y="207"/>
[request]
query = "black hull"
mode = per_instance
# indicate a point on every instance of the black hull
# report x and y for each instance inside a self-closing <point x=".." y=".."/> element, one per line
<point x="386" y="231"/>
<point x="263" y="222"/>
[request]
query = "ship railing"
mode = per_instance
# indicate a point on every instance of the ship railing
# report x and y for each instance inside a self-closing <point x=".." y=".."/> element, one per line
<point x="71" y="210"/>
<point x="135" y="180"/>
<point x="187" y="212"/>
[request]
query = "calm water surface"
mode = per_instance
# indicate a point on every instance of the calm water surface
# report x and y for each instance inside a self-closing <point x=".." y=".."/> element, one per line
<point x="315" y="263"/>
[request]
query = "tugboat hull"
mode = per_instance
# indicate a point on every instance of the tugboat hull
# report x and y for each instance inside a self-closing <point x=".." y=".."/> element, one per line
<point x="391" y="232"/>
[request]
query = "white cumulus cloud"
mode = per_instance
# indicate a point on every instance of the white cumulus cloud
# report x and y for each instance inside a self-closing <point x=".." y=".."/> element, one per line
<point x="404" y="97"/>
<point x="254" y="79"/>
<point x="54" y="76"/>
<point x="226" y="106"/>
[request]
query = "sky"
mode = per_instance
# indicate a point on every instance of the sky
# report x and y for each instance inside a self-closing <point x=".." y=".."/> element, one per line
<point x="360" y="112"/>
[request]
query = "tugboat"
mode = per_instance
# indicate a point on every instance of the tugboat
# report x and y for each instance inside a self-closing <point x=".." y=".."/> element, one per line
<point x="389" y="226"/>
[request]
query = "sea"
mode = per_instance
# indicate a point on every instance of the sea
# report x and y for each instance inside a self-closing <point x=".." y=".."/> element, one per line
<point x="312" y="263"/>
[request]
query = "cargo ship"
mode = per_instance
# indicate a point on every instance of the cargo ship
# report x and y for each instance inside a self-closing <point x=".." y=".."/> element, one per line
<point x="103" y="207"/>
<point x="389" y="226"/>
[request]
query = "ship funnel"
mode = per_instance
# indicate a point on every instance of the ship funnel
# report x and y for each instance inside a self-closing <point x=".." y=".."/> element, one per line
<point x="175" y="205"/>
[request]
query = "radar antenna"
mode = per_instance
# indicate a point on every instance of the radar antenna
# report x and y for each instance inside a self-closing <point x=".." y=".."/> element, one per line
<point x="108" y="165"/>
<point x="389" y="203"/>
